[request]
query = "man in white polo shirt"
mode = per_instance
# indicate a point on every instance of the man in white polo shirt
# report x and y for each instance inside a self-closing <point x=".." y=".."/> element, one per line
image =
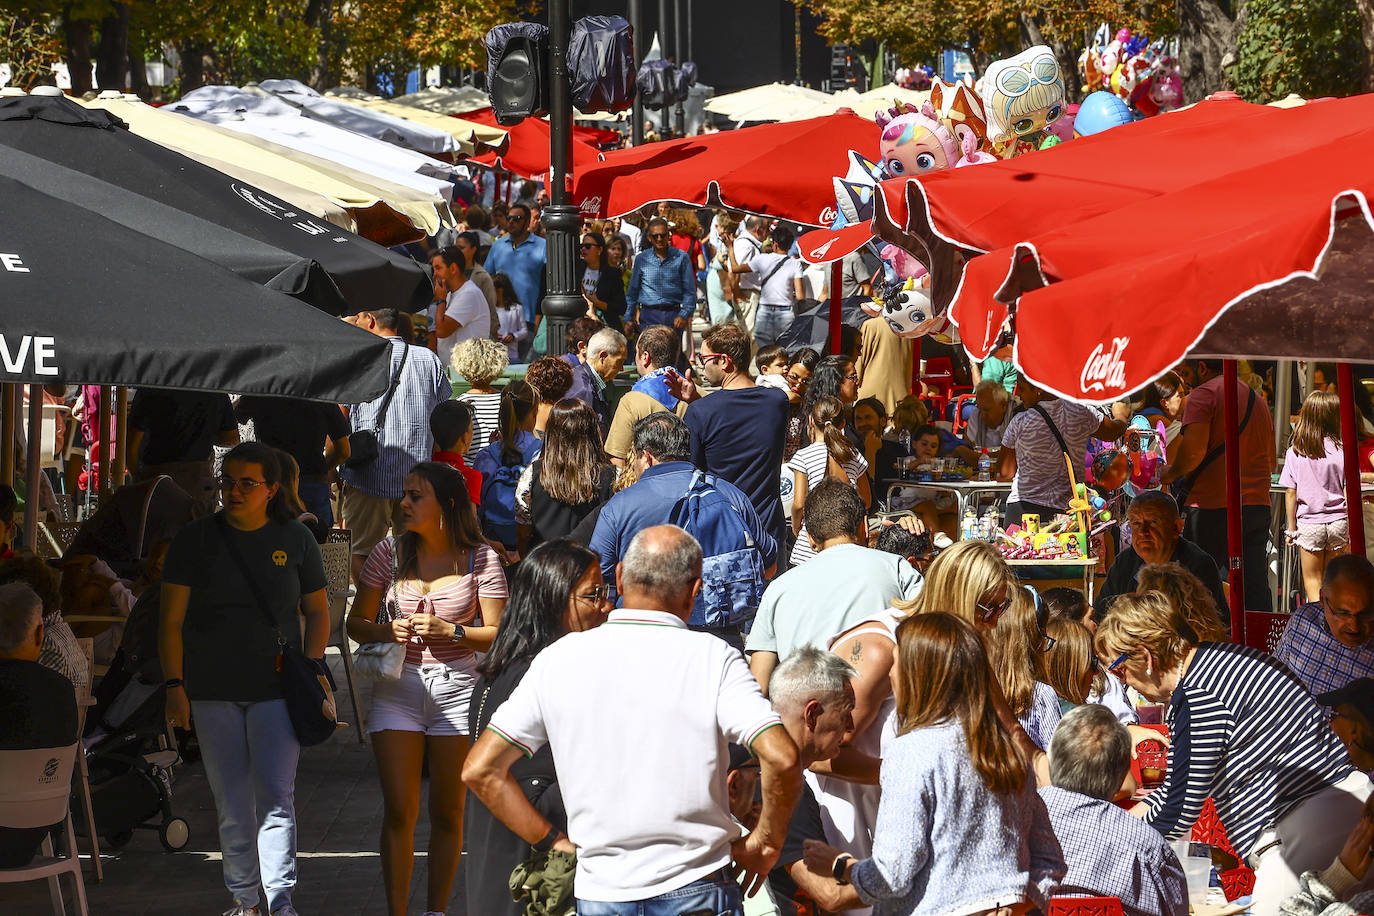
<point x="639" y="713"/>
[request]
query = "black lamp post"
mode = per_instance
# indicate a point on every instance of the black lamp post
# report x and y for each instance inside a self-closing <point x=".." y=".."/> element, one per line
<point x="678" y="59"/>
<point x="562" y="301"/>
<point x="637" y="112"/>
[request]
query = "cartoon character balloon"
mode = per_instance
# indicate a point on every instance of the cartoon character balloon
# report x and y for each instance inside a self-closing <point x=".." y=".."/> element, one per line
<point x="1021" y="96"/>
<point x="913" y="142"/>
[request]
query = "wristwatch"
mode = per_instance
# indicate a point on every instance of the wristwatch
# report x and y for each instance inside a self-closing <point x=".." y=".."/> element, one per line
<point x="458" y="632"/>
<point x="837" y="870"/>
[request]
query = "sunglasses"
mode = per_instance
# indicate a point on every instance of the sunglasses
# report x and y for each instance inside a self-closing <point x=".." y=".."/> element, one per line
<point x="660" y="235"/>
<point x="597" y="595"/>
<point x="992" y="611"/>
<point x="1114" y="667"/>
<point x="586" y="245"/>
<point x="700" y="360"/>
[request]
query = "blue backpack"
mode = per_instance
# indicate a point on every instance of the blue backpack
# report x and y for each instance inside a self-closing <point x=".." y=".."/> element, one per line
<point x="731" y="566"/>
<point x="498" y="488"/>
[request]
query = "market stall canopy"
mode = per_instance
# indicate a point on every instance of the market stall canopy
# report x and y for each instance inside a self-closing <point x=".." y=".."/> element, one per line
<point x="779" y="170"/>
<point x="272" y="119"/>
<point x="528" y="155"/>
<point x="446" y="100"/>
<point x="593" y="136"/>
<point x="369" y="122"/>
<point x="881" y="99"/>
<point x="96" y="143"/>
<point x="474" y="138"/>
<point x="1234" y="235"/>
<point x="773" y="102"/>
<point x="139" y="311"/>
<point x="388" y="214"/>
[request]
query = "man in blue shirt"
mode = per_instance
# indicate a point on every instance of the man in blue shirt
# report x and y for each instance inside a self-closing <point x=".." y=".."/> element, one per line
<point x="662" y="454"/>
<point x="663" y="288"/>
<point x="520" y="256"/>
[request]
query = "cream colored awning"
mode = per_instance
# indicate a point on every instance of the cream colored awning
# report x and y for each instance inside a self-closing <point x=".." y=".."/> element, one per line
<point x="475" y="139"/>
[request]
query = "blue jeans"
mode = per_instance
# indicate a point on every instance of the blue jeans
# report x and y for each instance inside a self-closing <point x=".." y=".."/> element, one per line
<point x="651" y="315"/>
<point x="315" y="495"/>
<point x="771" y="322"/>
<point x="715" y="895"/>
<point x="250" y="753"/>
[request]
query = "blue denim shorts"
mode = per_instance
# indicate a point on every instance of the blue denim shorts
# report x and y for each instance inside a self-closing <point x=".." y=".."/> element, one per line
<point x="717" y="894"/>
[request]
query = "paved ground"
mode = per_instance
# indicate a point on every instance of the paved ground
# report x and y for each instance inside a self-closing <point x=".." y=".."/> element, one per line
<point x="339" y="809"/>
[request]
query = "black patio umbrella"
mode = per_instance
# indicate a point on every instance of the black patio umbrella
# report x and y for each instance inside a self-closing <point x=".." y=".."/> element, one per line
<point x="99" y="144"/>
<point x="88" y="300"/>
<point x="812" y="329"/>
<point x="264" y="264"/>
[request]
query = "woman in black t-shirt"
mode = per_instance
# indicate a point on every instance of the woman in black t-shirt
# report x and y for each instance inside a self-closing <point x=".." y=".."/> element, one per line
<point x="220" y="657"/>
<point x="569" y="480"/>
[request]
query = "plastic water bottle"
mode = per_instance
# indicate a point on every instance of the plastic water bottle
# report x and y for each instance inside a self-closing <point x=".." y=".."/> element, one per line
<point x="968" y="526"/>
<point x="905" y="439"/>
<point x="985" y="466"/>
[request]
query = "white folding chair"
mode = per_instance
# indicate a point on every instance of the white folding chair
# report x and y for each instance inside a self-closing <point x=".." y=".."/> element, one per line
<point x="34" y="789"/>
<point x="336" y="554"/>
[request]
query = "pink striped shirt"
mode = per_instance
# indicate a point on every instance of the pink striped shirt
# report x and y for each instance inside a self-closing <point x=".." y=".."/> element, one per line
<point x="455" y="602"/>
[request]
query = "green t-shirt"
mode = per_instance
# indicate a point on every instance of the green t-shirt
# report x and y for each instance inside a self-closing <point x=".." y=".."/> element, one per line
<point x="999" y="370"/>
<point x="229" y="650"/>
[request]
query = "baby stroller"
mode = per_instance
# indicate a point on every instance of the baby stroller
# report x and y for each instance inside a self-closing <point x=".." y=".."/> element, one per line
<point x="130" y="752"/>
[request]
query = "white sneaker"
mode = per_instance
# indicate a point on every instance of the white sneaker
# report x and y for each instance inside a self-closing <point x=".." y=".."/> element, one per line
<point x="240" y="909"/>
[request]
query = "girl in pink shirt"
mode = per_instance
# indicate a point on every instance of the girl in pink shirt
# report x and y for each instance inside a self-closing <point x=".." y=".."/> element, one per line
<point x="1314" y="474"/>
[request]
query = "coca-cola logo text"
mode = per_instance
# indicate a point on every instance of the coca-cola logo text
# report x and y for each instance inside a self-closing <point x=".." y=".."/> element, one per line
<point x="827" y="216"/>
<point x="1105" y="370"/>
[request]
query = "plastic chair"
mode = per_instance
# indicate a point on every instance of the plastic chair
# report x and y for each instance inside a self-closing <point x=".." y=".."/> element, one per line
<point x="34" y="790"/>
<point x="336" y="554"/>
<point x="1236" y="882"/>
<point x="1086" y="906"/>
<point x="960" y="421"/>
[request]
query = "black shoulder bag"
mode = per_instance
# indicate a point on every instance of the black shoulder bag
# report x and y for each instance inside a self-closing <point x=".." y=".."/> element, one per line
<point x="306" y="684"/>
<point x="364" y="447"/>
<point x="1183" y="486"/>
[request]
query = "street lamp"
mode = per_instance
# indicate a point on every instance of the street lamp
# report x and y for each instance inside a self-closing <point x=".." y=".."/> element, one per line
<point x="678" y="58"/>
<point x="562" y="303"/>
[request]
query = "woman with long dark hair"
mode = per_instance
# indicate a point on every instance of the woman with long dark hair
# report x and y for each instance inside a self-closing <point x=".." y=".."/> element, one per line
<point x="503" y="461"/>
<point x="569" y="480"/>
<point x="602" y="285"/>
<point x="444" y="592"/>
<point x="959" y="821"/>
<point x="557" y="590"/>
<point x="219" y="655"/>
<point x="800" y="365"/>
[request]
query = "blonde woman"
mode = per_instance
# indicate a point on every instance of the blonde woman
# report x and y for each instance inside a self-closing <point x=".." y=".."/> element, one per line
<point x="1245" y="733"/>
<point x="1186" y="592"/>
<point x="1016" y="648"/>
<point x="481" y="362"/>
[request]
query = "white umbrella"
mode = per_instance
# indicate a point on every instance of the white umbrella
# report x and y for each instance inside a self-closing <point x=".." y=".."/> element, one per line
<point x="375" y="124"/>
<point x="446" y="99"/>
<point x="473" y="138"/>
<point x="773" y="102"/>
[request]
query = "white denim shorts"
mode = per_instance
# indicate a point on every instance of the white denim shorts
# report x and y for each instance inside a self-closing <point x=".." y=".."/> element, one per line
<point x="432" y="699"/>
<point x="1318" y="536"/>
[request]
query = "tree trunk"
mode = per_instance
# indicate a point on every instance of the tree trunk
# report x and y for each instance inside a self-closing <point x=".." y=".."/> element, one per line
<point x="77" y="33"/>
<point x="1366" y="11"/>
<point x="138" y="74"/>
<point x="191" y="71"/>
<point x="1207" y="46"/>
<point x="319" y="14"/>
<point x="1066" y="56"/>
<point x="112" y="59"/>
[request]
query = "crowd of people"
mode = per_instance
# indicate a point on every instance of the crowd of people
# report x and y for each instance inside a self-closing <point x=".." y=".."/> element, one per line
<point x="664" y="648"/>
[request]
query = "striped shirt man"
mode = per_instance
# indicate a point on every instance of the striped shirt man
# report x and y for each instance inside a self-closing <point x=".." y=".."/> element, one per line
<point x="1246" y="732"/>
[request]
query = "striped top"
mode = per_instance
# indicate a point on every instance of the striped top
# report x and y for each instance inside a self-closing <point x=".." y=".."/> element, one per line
<point x="486" y="419"/>
<point x="814" y="461"/>
<point x="455" y="601"/>
<point x="1248" y="734"/>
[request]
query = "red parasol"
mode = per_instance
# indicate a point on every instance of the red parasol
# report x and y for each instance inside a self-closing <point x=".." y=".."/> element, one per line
<point x="528" y="155"/>
<point x="783" y="170"/>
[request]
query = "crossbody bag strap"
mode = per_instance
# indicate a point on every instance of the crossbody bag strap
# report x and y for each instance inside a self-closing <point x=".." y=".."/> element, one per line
<point x="395" y="383"/>
<point x="237" y="555"/>
<point x="1053" y="429"/>
<point x="1216" y="452"/>
<point x="776" y="267"/>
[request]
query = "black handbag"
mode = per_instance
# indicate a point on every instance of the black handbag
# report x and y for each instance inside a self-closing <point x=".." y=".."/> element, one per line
<point x="306" y="683"/>
<point x="364" y="447"/>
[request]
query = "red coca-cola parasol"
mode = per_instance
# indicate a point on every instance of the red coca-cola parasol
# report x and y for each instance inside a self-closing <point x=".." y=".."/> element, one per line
<point x="783" y="170"/>
<point x="528" y="155"/>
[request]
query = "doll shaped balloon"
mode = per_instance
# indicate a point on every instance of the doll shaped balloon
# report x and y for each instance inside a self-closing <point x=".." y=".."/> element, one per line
<point x="1021" y="96"/>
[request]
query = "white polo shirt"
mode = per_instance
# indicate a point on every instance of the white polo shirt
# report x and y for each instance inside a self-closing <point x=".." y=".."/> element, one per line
<point x="638" y="712"/>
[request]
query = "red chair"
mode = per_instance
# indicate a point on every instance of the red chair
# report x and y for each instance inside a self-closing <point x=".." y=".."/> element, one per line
<point x="959" y="421"/>
<point x="939" y="376"/>
<point x="1236" y="882"/>
<point x="1085" y="906"/>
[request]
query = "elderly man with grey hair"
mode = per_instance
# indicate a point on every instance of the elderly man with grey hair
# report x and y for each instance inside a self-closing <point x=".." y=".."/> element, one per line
<point x="37" y="705"/>
<point x="1108" y="852"/>
<point x="605" y="357"/>
<point x="639" y="713"/>
<point x="990" y="417"/>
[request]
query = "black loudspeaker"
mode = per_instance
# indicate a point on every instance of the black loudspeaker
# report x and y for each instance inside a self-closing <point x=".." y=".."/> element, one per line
<point x="602" y="63"/>
<point x="656" y="83"/>
<point x="518" y="71"/>
<point x="689" y="69"/>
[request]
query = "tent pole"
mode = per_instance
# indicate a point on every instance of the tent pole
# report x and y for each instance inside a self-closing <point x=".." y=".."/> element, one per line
<point x="1283" y="394"/>
<point x="1234" y="539"/>
<point x="34" y="460"/>
<point x="7" y="400"/>
<point x="1354" y="509"/>
<point x="121" y="425"/>
<point x="105" y="450"/>
<point x="836" y="303"/>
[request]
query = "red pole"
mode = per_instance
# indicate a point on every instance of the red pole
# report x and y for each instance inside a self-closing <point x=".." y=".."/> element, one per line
<point x="1234" y="538"/>
<point x="836" y="304"/>
<point x="1354" y="510"/>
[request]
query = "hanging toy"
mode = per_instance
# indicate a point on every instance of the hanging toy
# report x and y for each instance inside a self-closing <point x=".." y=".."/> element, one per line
<point x="1021" y="96"/>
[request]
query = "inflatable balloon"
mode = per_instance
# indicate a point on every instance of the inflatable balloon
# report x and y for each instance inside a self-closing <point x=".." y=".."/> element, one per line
<point x="1021" y="96"/>
<point x="1063" y="128"/>
<point x="913" y="142"/>
<point x="1100" y="111"/>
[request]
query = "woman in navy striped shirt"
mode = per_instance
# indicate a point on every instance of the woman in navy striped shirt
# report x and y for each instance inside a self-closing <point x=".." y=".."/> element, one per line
<point x="1246" y="733"/>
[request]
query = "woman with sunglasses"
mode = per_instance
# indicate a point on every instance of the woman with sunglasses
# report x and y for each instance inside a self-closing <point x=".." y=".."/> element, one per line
<point x="1244" y="732"/>
<point x="602" y="285"/>
<point x="557" y="590"/>
<point x="219" y="655"/>
<point x="1017" y="650"/>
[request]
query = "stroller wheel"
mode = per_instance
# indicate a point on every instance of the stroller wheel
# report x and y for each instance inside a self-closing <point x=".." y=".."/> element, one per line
<point x="174" y="834"/>
<point x="119" y="840"/>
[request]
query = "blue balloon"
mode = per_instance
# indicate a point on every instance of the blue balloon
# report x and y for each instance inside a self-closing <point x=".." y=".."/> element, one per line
<point x="1100" y="111"/>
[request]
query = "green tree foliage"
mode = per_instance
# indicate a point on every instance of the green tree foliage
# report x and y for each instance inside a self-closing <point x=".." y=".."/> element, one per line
<point x="30" y="47"/>
<point x="1309" y="47"/>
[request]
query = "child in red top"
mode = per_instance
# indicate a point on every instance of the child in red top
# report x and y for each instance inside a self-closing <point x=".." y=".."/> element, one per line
<point x="451" y="424"/>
